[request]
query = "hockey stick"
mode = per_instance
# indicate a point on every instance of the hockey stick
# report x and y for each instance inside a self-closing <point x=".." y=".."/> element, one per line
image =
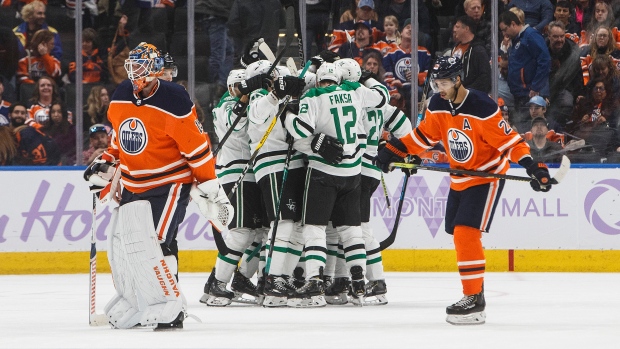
<point x="350" y="41"/>
<point x="422" y="104"/>
<point x="266" y="51"/>
<point x="387" y="198"/>
<point x="272" y="241"/>
<point x="390" y="239"/>
<point x="264" y="138"/>
<point x="94" y="319"/>
<point x="559" y="175"/>
<point x="576" y="145"/>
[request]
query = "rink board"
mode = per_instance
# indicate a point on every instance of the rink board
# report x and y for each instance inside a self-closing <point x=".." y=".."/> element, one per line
<point x="46" y="218"/>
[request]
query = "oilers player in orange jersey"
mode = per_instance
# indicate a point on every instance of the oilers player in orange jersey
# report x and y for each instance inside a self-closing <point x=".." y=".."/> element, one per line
<point x="476" y="137"/>
<point x="163" y="156"/>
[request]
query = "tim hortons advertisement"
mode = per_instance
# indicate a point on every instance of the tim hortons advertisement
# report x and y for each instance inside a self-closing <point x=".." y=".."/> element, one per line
<point x="52" y="211"/>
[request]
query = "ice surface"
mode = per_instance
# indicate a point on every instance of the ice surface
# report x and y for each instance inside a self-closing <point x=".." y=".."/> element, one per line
<point x="524" y="310"/>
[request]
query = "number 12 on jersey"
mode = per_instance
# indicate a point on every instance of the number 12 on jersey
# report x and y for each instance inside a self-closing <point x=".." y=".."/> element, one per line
<point x="345" y="118"/>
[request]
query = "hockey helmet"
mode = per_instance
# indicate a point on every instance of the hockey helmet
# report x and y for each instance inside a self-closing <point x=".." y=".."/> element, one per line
<point x="234" y="77"/>
<point x="447" y="68"/>
<point x="349" y="69"/>
<point x="169" y="63"/>
<point x="310" y="80"/>
<point x="328" y="72"/>
<point x="144" y="64"/>
<point x="282" y="71"/>
<point x="258" y="67"/>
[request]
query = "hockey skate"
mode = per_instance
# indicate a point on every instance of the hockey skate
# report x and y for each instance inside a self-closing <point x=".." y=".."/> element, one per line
<point x="260" y="290"/>
<point x="357" y="285"/>
<point x="176" y="324"/>
<point x="205" y="296"/>
<point x="277" y="291"/>
<point x="298" y="277"/>
<point x="310" y="295"/>
<point x="375" y="293"/>
<point x="218" y="295"/>
<point x="240" y="286"/>
<point x="336" y="292"/>
<point x="468" y="311"/>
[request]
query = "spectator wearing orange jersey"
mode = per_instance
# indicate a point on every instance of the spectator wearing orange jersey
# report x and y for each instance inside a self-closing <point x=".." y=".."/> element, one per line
<point x="44" y="95"/>
<point x="360" y="45"/>
<point x="365" y="13"/>
<point x="603" y="43"/>
<point x="38" y="61"/>
<point x="93" y="67"/>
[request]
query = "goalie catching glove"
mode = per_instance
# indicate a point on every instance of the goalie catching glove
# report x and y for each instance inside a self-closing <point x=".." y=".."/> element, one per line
<point x="100" y="172"/>
<point x="538" y="171"/>
<point x="394" y="151"/>
<point x="213" y="203"/>
<point x="328" y="147"/>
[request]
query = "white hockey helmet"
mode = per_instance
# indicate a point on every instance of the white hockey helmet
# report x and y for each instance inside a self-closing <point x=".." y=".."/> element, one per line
<point x="258" y="67"/>
<point x="282" y="71"/>
<point x="235" y="76"/>
<point x="310" y="80"/>
<point x="328" y="71"/>
<point x="349" y="69"/>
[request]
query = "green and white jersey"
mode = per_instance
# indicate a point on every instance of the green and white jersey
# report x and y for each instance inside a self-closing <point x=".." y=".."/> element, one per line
<point x="235" y="152"/>
<point x="376" y="120"/>
<point x="262" y="109"/>
<point x="337" y="111"/>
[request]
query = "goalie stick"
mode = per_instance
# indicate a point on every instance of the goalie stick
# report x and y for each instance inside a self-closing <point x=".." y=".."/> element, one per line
<point x="94" y="319"/>
<point x="559" y="175"/>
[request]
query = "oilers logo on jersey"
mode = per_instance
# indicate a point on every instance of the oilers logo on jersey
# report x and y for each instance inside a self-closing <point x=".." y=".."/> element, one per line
<point x="132" y="136"/>
<point x="402" y="67"/>
<point x="461" y="146"/>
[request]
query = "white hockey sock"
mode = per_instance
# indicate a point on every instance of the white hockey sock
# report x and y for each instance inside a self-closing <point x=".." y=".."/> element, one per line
<point x="332" y="250"/>
<point x="315" y="249"/>
<point x="237" y="240"/>
<point x="251" y="256"/>
<point x="353" y="244"/>
<point x="280" y="248"/>
<point x="374" y="262"/>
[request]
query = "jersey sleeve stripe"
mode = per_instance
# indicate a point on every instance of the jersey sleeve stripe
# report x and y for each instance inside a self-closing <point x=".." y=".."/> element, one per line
<point x="201" y="155"/>
<point x="392" y="118"/>
<point x="400" y="123"/>
<point x="417" y="134"/>
<point x="195" y="151"/>
<point x="490" y="164"/>
<point x="383" y="95"/>
<point x="510" y="143"/>
<point x="309" y="130"/>
<point x="201" y="162"/>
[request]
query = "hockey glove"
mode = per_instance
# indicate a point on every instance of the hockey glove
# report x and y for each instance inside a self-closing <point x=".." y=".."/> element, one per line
<point x="328" y="147"/>
<point x="289" y="86"/>
<point x="293" y="107"/>
<point x="413" y="159"/>
<point x="213" y="203"/>
<point x="367" y="74"/>
<point x="250" y="53"/>
<point x="254" y="83"/>
<point x="240" y="109"/>
<point x="541" y="180"/>
<point x="394" y="151"/>
<point x="99" y="173"/>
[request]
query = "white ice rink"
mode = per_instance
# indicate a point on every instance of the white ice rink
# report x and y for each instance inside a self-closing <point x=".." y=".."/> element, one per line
<point x="524" y="310"/>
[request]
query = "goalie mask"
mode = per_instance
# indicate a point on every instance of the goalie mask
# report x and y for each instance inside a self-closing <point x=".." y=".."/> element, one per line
<point x="144" y="64"/>
<point x="349" y="69"/>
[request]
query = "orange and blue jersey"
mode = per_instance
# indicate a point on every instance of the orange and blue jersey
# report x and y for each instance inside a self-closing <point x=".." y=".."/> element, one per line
<point x="476" y="137"/>
<point x="4" y="113"/>
<point x="397" y="62"/>
<point x="31" y="68"/>
<point x="158" y="139"/>
<point x="339" y="36"/>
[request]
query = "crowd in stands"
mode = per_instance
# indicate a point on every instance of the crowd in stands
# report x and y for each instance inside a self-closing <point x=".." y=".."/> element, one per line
<point x="559" y="65"/>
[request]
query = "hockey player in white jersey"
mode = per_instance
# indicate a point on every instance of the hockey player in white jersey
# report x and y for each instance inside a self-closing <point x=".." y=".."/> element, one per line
<point x="375" y="120"/>
<point x="332" y="190"/>
<point x="249" y="218"/>
<point x="268" y="171"/>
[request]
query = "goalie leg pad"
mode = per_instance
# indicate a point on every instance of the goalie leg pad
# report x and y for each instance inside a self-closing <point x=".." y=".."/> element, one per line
<point x="137" y="259"/>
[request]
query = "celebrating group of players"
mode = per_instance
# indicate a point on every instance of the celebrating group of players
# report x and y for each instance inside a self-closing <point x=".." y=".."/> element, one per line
<point x="292" y="182"/>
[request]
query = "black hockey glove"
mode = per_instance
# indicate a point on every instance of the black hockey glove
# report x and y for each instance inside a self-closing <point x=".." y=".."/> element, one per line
<point x="541" y="180"/>
<point x="413" y="159"/>
<point x="394" y="151"/>
<point x="293" y="107"/>
<point x="328" y="147"/>
<point x="289" y="86"/>
<point x="250" y="52"/>
<point x="325" y="56"/>
<point x="254" y="83"/>
<point x="367" y="74"/>
<point x="240" y="108"/>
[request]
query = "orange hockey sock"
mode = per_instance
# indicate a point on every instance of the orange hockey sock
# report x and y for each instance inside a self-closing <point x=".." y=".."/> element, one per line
<point x="470" y="258"/>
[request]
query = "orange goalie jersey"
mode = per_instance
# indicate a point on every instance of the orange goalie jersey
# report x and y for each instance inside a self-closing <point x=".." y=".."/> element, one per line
<point x="158" y="139"/>
<point x="476" y="137"/>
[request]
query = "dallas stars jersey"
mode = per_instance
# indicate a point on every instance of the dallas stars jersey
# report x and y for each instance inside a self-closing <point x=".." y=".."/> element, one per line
<point x="235" y="153"/>
<point x="336" y="110"/>
<point x="375" y="120"/>
<point x="476" y="137"/>
<point x="262" y="109"/>
<point x="158" y="139"/>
